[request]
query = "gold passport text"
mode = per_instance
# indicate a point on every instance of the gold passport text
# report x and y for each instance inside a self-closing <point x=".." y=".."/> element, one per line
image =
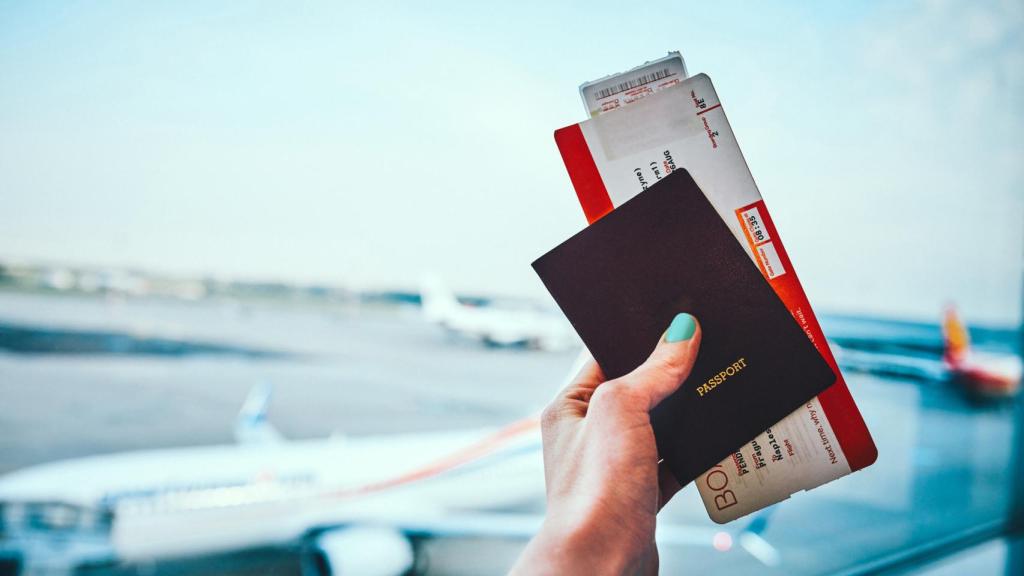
<point x="722" y="376"/>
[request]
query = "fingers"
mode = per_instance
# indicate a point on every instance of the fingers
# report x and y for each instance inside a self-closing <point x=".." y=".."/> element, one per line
<point x="588" y="377"/>
<point x="572" y="400"/>
<point x="656" y="379"/>
<point x="671" y="361"/>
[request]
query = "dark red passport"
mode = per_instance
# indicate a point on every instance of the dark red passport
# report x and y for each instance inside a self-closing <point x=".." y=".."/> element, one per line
<point x="620" y="282"/>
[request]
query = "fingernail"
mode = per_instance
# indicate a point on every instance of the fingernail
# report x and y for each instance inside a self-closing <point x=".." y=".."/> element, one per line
<point x="682" y="328"/>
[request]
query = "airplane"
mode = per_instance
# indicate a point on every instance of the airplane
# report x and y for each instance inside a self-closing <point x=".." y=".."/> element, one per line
<point x="984" y="374"/>
<point x="893" y="365"/>
<point x="492" y="325"/>
<point x="919" y="357"/>
<point x="352" y="505"/>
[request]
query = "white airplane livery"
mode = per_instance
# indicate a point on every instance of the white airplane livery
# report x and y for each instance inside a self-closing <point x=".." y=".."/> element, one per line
<point x="355" y="505"/>
<point x="357" y="499"/>
<point x="495" y="326"/>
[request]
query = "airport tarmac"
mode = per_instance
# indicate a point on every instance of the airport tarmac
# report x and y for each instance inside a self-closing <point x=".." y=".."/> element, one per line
<point x="943" y="464"/>
<point x="352" y="372"/>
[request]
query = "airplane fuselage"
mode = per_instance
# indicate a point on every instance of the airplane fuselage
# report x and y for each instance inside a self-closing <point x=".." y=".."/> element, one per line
<point x="188" y="501"/>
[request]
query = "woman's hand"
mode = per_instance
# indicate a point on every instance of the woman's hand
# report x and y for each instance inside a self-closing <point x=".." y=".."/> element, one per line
<point x="604" y="483"/>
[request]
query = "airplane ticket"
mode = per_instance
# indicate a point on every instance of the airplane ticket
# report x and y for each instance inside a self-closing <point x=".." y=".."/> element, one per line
<point x="615" y="156"/>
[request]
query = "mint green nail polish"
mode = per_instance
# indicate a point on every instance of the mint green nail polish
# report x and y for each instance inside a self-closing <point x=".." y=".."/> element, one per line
<point x="682" y="328"/>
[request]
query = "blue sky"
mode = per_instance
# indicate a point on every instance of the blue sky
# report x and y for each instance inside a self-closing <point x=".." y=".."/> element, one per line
<point x="367" y="144"/>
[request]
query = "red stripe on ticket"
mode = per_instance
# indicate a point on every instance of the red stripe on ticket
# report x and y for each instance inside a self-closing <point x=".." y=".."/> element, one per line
<point x="837" y="403"/>
<point x="583" y="172"/>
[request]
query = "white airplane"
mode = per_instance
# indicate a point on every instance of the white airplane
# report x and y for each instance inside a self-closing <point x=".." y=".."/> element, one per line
<point x="495" y="326"/>
<point x="353" y="505"/>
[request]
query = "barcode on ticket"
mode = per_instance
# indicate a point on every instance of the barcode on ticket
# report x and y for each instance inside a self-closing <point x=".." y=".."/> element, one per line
<point x="617" y="90"/>
<point x="634" y="83"/>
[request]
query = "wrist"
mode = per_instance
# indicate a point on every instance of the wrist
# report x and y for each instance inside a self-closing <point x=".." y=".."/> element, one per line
<point x="594" y="544"/>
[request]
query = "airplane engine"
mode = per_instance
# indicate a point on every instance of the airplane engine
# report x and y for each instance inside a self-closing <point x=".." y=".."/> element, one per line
<point x="359" y="551"/>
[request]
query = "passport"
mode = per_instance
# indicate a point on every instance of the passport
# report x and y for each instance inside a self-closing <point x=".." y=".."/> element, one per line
<point x="621" y="280"/>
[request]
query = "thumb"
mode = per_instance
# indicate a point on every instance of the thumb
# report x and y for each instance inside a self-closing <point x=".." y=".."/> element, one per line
<point x="670" y="363"/>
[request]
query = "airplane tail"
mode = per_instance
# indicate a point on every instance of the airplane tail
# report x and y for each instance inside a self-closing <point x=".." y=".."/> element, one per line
<point x="437" y="300"/>
<point x="956" y="342"/>
<point x="251" y="426"/>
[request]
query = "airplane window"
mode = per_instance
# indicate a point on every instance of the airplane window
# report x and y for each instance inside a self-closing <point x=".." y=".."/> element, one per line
<point x="266" y="301"/>
<point x="59" y="517"/>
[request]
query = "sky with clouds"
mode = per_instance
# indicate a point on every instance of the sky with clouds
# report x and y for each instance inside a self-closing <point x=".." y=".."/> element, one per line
<point x="366" y="145"/>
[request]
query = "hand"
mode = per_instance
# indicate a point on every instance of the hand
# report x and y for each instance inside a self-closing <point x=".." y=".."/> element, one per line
<point x="604" y="482"/>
